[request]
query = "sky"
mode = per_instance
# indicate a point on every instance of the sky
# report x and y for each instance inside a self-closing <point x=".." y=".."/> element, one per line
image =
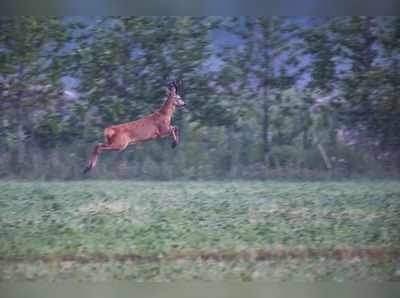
<point x="204" y="7"/>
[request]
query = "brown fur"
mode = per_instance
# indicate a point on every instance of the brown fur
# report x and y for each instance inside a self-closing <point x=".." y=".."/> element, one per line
<point x="153" y="126"/>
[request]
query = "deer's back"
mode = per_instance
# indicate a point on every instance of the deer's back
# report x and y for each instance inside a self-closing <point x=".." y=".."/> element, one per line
<point x="140" y="130"/>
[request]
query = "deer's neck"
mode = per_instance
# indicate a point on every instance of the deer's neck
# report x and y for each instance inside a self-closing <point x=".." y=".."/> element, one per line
<point x="168" y="109"/>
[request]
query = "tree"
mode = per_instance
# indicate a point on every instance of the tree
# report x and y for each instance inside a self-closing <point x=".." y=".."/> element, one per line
<point x="29" y="76"/>
<point x="387" y="122"/>
<point x="264" y="64"/>
<point x="321" y="49"/>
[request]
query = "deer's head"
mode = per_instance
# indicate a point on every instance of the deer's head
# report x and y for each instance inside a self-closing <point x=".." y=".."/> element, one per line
<point x="173" y="96"/>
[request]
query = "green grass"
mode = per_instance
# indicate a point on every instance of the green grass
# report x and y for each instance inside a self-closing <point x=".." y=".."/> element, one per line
<point x="178" y="230"/>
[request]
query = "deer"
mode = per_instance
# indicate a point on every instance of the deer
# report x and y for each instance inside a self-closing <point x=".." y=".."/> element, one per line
<point x="153" y="126"/>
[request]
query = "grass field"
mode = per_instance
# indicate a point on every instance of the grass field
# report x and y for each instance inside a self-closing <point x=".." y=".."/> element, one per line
<point x="164" y="231"/>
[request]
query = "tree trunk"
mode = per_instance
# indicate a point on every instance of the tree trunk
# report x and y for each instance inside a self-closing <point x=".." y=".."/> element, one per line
<point x="19" y="150"/>
<point x="324" y="156"/>
<point x="306" y="140"/>
<point x="265" y="131"/>
<point x="234" y="153"/>
<point x="332" y="132"/>
<point x="322" y="151"/>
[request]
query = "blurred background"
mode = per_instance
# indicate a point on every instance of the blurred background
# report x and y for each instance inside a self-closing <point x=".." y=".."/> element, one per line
<point x="267" y="97"/>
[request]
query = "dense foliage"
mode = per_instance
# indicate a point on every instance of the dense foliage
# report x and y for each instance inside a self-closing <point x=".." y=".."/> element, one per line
<point x="267" y="97"/>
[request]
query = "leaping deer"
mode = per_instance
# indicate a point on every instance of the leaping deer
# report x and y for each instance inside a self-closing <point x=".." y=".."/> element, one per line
<point x="153" y="126"/>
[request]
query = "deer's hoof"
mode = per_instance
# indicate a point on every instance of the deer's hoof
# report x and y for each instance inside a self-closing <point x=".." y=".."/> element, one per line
<point x="86" y="170"/>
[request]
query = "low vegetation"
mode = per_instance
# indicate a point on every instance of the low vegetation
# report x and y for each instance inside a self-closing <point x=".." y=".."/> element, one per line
<point x="102" y="230"/>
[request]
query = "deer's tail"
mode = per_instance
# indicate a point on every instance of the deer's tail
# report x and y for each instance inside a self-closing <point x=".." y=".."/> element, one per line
<point x="109" y="132"/>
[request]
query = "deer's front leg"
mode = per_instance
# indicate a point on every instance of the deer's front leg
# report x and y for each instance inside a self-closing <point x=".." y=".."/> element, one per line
<point x="175" y="136"/>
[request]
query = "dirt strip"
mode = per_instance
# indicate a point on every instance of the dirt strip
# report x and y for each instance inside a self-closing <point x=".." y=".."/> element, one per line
<point x="219" y="256"/>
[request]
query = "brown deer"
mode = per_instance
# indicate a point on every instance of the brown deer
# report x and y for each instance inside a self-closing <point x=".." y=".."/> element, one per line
<point x="153" y="126"/>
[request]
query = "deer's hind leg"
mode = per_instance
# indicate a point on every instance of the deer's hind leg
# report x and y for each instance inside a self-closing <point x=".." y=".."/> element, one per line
<point x="99" y="148"/>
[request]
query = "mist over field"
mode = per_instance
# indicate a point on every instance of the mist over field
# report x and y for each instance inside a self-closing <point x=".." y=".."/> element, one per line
<point x="287" y="167"/>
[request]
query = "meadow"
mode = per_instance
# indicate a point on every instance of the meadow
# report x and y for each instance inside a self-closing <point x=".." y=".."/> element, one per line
<point x="168" y="231"/>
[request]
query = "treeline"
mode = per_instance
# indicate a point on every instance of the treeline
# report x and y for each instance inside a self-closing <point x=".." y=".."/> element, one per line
<point x="267" y="97"/>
